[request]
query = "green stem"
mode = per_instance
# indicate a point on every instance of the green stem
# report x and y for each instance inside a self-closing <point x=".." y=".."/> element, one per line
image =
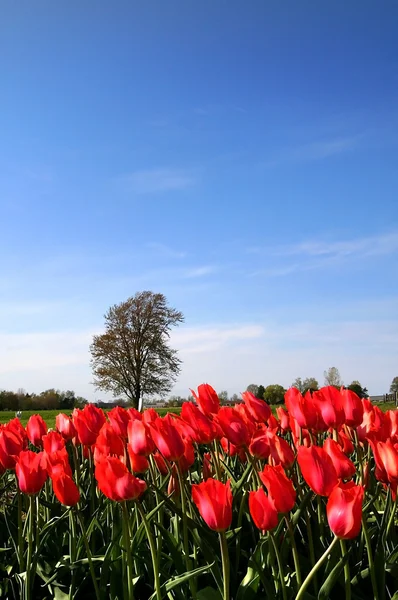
<point x="307" y="580"/>
<point x="30" y="573"/>
<point x="347" y="576"/>
<point x="280" y="565"/>
<point x="391" y="519"/>
<point x="225" y="564"/>
<point x="239" y="525"/>
<point x="294" y="550"/>
<point x="370" y="559"/>
<point x="152" y="547"/>
<point x="72" y="552"/>
<point x="311" y="548"/>
<point x="252" y="461"/>
<point x="76" y="464"/>
<point x="213" y="454"/>
<point x="127" y="550"/>
<point x="89" y="556"/>
<point x="185" y="528"/>
<point x="20" y="530"/>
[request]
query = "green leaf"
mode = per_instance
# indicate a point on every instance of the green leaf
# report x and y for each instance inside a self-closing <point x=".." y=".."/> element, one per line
<point x="176" y="581"/>
<point x="208" y="593"/>
<point x="332" y="579"/>
<point x="249" y="585"/>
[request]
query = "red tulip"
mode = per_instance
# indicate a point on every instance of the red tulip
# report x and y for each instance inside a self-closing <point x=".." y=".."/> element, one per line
<point x="88" y="423"/>
<point x="353" y="407"/>
<point x="386" y="459"/>
<point x="204" y="430"/>
<point x="65" y="489"/>
<point x="119" y="418"/>
<point x="345" y="468"/>
<point x="135" y="415"/>
<point x="344" y="510"/>
<point x="16" y="427"/>
<point x="149" y="415"/>
<point x="173" y="488"/>
<point x="56" y="462"/>
<point x="283" y="417"/>
<point x="160" y="463"/>
<point x="234" y="427"/>
<point x="345" y="443"/>
<point x="262" y="511"/>
<point x="140" y="439"/>
<point x="280" y="488"/>
<point x="188" y="458"/>
<point x="273" y="424"/>
<point x="229" y="448"/>
<point x="31" y="473"/>
<point x="302" y="408"/>
<point x="260" y="445"/>
<point x="116" y="482"/>
<point x="330" y="405"/>
<point x="35" y="429"/>
<point x="214" y="501"/>
<point x="108" y="443"/>
<point x="367" y="429"/>
<point x="258" y="408"/>
<point x="317" y="469"/>
<point x="207" y="399"/>
<point x="138" y="462"/>
<point x="53" y="441"/>
<point x="391" y="417"/>
<point x="11" y="445"/>
<point x="167" y="438"/>
<point x="208" y="470"/>
<point x="280" y="452"/>
<point x="65" y="426"/>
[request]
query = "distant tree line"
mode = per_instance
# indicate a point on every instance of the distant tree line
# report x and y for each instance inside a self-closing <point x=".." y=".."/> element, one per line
<point x="50" y="399"/>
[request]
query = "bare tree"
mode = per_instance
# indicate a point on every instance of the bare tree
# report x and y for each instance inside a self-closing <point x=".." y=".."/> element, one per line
<point x="253" y="388"/>
<point x="133" y="357"/>
<point x="332" y="377"/>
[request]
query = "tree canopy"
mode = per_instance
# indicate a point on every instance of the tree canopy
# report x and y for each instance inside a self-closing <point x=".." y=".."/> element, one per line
<point x="394" y="385"/>
<point x="332" y="377"/>
<point x="274" y="394"/>
<point x="133" y="357"/>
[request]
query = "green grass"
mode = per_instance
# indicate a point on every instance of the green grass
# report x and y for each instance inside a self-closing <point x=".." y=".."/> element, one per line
<point x="49" y="415"/>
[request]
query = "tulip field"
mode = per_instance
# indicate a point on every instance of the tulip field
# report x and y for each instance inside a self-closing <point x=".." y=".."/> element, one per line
<point x="214" y="503"/>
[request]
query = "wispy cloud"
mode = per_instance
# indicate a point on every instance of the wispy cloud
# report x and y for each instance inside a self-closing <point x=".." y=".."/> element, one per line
<point x="200" y="271"/>
<point x="375" y="245"/>
<point x="165" y="251"/>
<point x="315" y="150"/>
<point x="314" y="254"/>
<point x="209" y="338"/>
<point x="158" y="180"/>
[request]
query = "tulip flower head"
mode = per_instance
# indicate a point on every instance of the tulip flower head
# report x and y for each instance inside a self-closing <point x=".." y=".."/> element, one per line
<point x="280" y="488"/>
<point x="214" y="502"/>
<point x="317" y="469"/>
<point x="30" y="472"/>
<point x="262" y="511"/>
<point x="36" y="429"/>
<point x="116" y="482"/>
<point x="344" y="510"/>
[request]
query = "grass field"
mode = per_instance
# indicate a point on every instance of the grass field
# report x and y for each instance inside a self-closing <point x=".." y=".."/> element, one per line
<point x="49" y="415"/>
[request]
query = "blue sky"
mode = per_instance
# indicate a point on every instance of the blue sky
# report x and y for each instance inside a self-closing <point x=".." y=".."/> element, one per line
<point x="239" y="157"/>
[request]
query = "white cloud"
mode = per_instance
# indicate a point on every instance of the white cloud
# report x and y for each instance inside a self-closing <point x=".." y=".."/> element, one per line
<point x="200" y="271"/>
<point x="227" y="356"/>
<point x="315" y="150"/>
<point x="315" y="254"/>
<point x="158" y="180"/>
<point x="165" y="251"/>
